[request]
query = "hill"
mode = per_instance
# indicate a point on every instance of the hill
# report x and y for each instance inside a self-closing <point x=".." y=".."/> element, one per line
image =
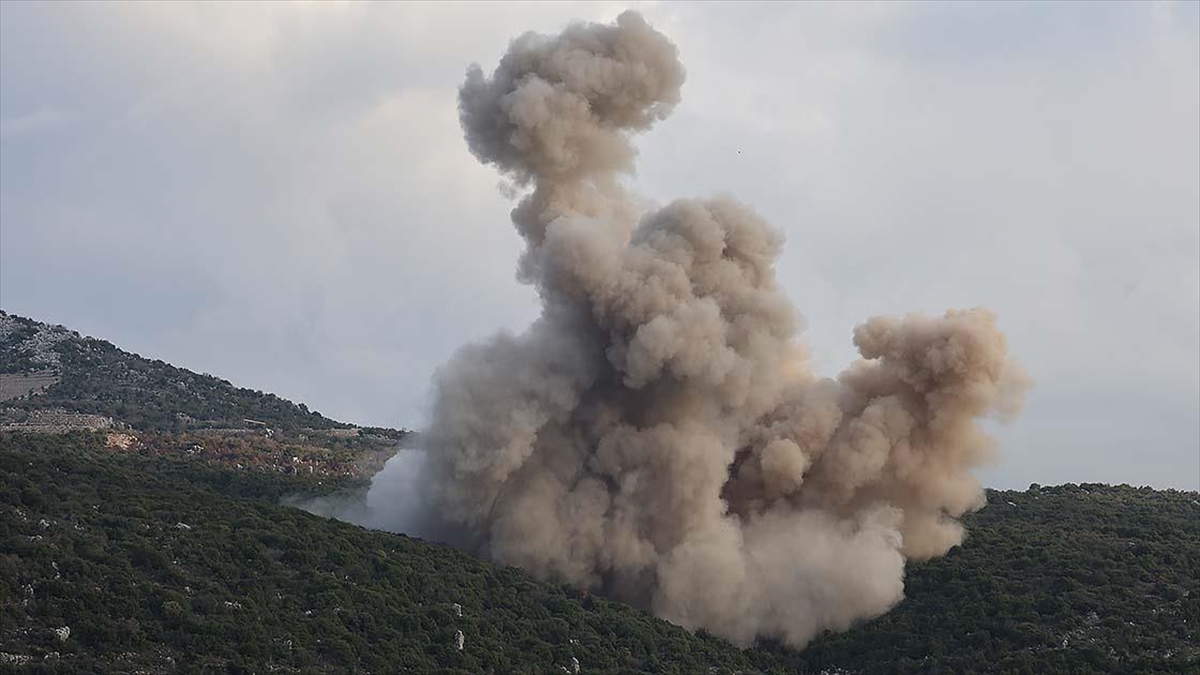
<point x="158" y="564"/>
<point x="164" y="547"/>
<point x="163" y="564"/>
<point x="64" y="370"/>
<point x="54" y="380"/>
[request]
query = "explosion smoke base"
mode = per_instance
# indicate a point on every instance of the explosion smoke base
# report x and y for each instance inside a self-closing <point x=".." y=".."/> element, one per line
<point x="656" y="434"/>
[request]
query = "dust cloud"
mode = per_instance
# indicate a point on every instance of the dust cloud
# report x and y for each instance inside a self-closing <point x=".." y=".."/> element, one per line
<point x="657" y="434"/>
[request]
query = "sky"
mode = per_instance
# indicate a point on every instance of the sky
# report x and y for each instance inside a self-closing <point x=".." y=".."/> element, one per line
<point x="279" y="193"/>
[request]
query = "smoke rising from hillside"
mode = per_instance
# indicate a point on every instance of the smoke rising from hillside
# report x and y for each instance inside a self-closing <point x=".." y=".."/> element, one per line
<point x="657" y="434"/>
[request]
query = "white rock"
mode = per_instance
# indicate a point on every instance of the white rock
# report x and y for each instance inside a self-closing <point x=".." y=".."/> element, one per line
<point x="460" y="640"/>
<point x="62" y="633"/>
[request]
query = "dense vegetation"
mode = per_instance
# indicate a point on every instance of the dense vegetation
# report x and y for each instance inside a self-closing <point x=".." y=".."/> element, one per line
<point x="94" y="542"/>
<point x="1068" y="579"/>
<point x="149" y="395"/>
<point x="1072" y="579"/>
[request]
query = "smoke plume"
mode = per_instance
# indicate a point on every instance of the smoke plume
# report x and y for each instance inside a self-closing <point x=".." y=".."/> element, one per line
<point x="657" y="434"/>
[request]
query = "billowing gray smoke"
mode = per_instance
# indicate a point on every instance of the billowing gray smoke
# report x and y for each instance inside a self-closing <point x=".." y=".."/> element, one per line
<point x="656" y="434"/>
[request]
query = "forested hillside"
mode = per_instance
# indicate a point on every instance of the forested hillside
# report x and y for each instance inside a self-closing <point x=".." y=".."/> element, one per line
<point x="1067" y="579"/>
<point x="165" y="564"/>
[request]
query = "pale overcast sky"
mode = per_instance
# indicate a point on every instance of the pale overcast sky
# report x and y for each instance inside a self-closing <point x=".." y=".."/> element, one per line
<point x="279" y="193"/>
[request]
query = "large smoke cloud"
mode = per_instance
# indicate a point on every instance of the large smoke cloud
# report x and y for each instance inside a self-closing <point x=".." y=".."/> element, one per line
<point x="657" y="434"/>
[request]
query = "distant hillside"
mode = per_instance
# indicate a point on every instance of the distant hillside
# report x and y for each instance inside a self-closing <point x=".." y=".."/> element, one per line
<point x="87" y="375"/>
<point x="164" y="564"/>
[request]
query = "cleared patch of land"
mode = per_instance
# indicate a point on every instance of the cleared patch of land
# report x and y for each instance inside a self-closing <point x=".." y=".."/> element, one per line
<point x="18" y="385"/>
